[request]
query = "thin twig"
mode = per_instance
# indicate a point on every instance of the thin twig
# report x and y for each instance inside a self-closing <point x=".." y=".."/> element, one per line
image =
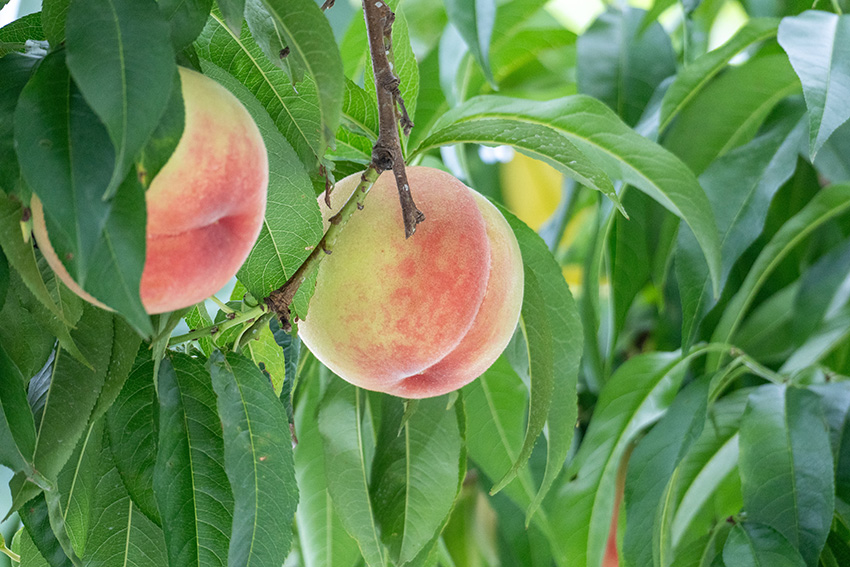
<point x="328" y="4"/>
<point x="386" y="154"/>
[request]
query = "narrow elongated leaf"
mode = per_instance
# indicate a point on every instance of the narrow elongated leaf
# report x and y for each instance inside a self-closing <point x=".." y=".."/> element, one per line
<point x="819" y="286"/>
<point x="786" y="467"/>
<point x="233" y="12"/>
<point x="67" y="158"/>
<point x="729" y="110"/>
<point x="295" y="113"/>
<point x="26" y="342"/>
<point x="416" y="474"/>
<point x="120" y="533"/>
<point x="53" y="16"/>
<point x="553" y="332"/>
<point x="17" y="426"/>
<point x="827" y="203"/>
<point x="72" y="392"/>
<point x="16" y="70"/>
<point x="635" y="396"/>
<point x="340" y="423"/>
<point x="308" y="35"/>
<point x="622" y="65"/>
<point x="818" y="45"/>
<point x="835" y="401"/>
<point x="258" y="461"/>
<point x="695" y="76"/>
<point x="125" y="71"/>
<point x="740" y="186"/>
<point x="609" y="143"/>
<point x="190" y="483"/>
<point x="133" y="426"/>
<point x="474" y="19"/>
<point x="323" y="539"/>
<point x="293" y="224"/>
<point x="757" y="545"/>
<point x="35" y="517"/>
<point x="652" y="465"/>
<point x="25" y="547"/>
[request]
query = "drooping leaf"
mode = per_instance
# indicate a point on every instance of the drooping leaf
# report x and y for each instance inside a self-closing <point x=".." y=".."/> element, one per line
<point x="293" y="224"/>
<point x="16" y="70"/>
<point x="786" y="467"/>
<point x="133" y="426"/>
<point x="54" y="14"/>
<point x="827" y="204"/>
<point x="729" y="110"/>
<point x="817" y="45"/>
<point x="258" y="461"/>
<point x="652" y="465"/>
<point x="25" y="547"/>
<point x="186" y="19"/>
<point x="635" y="396"/>
<point x="35" y="517"/>
<point x="622" y="65"/>
<point x="125" y="71"/>
<point x="233" y="12"/>
<point x="695" y="76"/>
<point x="607" y="142"/>
<point x="416" y="473"/>
<point x="553" y="332"/>
<point x="340" y="424"/>
<point x="819" y="287"/>
<point x="740" y="186"/>
<point x="190" y="484"/>
<point x="67" y="158"/>
<point x="474" y="19"/>
<point x="323" y="539"/>
<point x="17" y="426"/>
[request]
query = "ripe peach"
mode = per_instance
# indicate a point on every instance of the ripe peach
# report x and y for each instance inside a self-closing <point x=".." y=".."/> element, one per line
<point x="418" y="317"/>
<point x="205" y="207"/>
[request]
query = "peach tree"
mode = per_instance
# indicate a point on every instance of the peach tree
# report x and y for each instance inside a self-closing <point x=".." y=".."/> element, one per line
<point x="573" y="283"/>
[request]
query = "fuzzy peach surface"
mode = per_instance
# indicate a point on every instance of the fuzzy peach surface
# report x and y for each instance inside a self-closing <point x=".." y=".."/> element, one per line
<point x="205" y="207"/>
<point x="418" y="317"/>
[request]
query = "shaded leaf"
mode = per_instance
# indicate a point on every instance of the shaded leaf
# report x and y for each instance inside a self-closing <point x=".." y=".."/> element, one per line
<point x="17" y="426"/>
<point x="474" y="19"/>
<point x="756" y="545"/>
<point x="35" y="517"/>
<point x="186" y="19"/>
<point x="16" y="70"/>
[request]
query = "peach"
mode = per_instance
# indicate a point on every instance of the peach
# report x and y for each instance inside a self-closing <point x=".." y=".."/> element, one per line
<point x="205" y="207"/>
<point x="415" y="317"/>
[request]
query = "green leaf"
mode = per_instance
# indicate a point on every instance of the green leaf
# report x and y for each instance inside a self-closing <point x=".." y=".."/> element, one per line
<point x="17" y="426"/>
<point x="360" y="111"/>
<point x="691" y="80"/>
<point x="417" y="473"/>
<point x="120" y="533"/>
<point x="651" y="467"/>
<point x="786" y="467"/>
<point x="295" y="113"/>
<point x="293" y="224"/>
<point x="832" y="160"/>
<point x="53" y="16"/>
<point x="66" y="157"/>
<point x="552" y="327"/>
<point x="622" y="65"/>
<point x="27" y="343"/>
<point x="740" y="186"/>
<point x="305" y="30"/>
<point x="16" y="70"/>
<point x="125" y="345"/>
<point x="14" y="35"/>
<point x="634" y="397"/>
<point x="35" y="517"/>
<point x="728" y="112"/>
<point x="186" y="19"/>
<point x="817" y="45"/>
<point x="233" y="12"/>
<point x="72" y="392"/>
<point x="25" y="547"/>
<point x="340" y="424"/>
<point x="198" y="318"/>
<point x="190" y="484"/>
<point x="474" y="19"/>
<point x="828" y="203"/>
<point x="609" y="144"/>
<point x="820" y="285"/>
<point x="76" y="484"/>
<point x="323" y="539"/>
<point x="125" y="71"/>
<point x="165" y="137"/>
<point x="757" y="545"/>
<point x="133" y="426"/>
<point x="835" y="401"/>
<point x="258" y="462"/>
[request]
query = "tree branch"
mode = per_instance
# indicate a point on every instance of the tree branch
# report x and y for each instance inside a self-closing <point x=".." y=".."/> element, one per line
<point x="386" y="154"/>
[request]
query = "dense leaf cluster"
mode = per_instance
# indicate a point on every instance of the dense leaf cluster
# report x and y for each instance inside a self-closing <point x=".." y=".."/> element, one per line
<point x="687" y="409"/>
